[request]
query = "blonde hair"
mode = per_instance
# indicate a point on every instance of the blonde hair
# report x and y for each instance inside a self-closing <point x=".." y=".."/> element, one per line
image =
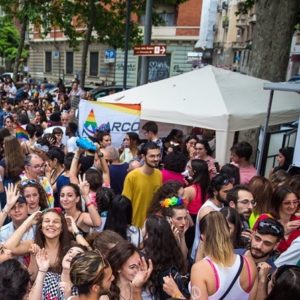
<point x="87" y="269"/>
<point x="217" y="244"/>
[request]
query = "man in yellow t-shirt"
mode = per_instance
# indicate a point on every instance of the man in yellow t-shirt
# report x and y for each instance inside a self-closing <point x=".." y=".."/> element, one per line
<point x="141" y="183"/>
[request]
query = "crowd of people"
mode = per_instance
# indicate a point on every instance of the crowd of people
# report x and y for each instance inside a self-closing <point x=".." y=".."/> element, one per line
<point x="151" y="219"/>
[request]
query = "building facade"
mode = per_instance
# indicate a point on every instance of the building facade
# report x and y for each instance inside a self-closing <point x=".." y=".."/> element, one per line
<point x="52" y="57"/>
<point x="234" y="34"/>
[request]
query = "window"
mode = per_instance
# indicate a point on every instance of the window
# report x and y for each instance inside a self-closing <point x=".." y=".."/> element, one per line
<point x="69" y="62"/>
<point x="48" y="61"/>
<point x="94" y="62"/>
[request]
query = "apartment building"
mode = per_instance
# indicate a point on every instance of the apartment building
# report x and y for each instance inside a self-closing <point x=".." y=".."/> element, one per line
<point x="234" y="34"/>
<point x="52" y="57"/>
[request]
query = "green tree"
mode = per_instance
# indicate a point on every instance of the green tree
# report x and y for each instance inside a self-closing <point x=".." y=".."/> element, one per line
<point x="103" y="21"/>
<point x="9" y="41"/>
<point x="25" y="12"/>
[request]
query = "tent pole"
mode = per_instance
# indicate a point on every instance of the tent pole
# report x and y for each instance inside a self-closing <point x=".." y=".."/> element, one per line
<point x="261" y="154"/>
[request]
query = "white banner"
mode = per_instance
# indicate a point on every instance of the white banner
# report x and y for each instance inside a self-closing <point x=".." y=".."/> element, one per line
<point x="118" y="118"/>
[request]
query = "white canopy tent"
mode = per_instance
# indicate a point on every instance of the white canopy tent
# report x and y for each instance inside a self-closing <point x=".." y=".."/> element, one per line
<point x="211" y="98"/>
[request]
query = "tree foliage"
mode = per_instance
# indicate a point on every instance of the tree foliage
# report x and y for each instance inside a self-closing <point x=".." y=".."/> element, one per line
<point x="9" y="40"/>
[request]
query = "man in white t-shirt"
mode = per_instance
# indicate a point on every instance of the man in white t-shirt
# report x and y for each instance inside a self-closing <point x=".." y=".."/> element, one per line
<point x="71" y="133"/>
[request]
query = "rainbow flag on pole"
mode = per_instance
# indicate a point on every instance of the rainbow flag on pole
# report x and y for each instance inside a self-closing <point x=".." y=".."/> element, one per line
<point x="21" y="133"/>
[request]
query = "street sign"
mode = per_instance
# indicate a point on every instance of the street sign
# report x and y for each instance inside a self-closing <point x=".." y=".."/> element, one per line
<point x="110" y="56"/>
<point x="150" y="50"/>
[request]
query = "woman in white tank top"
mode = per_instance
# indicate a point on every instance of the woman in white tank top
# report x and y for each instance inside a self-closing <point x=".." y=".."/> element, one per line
<point x="213" y="276"/>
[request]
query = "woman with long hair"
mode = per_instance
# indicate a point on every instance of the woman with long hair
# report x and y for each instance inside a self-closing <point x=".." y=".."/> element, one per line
<point x="34" y="194"/>
<point x="132" y="151"/>
<point x="130" y="271"/>
<point x="51" y="233"/>
<point x="261" y="189"/>
<point x="218" y="267"/>
<point x="195" y="194"/>
<point x="162" y="248"/>
<point x="235" y="225"/>
<point x="70" y="200"/>
<point x="119" y="219"/>
<point x="12" y="165"/>
<point x="50" y="285"/>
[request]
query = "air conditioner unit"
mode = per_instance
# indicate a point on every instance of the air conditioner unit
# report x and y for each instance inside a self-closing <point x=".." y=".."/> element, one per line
<point x="219" y="8"/>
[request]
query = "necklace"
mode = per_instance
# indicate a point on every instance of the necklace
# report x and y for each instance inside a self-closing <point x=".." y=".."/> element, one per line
<point x="129" y="295"/>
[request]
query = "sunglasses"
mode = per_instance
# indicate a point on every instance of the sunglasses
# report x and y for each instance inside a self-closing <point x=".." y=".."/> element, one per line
<point x="273" y="227"/>
<point x="27" y="182"/>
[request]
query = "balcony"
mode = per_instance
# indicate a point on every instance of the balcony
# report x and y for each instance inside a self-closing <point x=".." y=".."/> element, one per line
<point x="252" y="18"/>
<point x="241" y="21"/>
<point x="174" y="32"/>
<point x="238" y="45"/>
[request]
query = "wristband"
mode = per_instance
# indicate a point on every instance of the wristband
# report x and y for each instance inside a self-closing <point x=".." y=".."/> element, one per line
<point x="77" y="233"/>
<point x="100" y="154"/>
<point x="76" y="157"/>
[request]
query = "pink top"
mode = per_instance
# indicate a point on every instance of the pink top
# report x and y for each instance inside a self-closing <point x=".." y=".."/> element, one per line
<point x="246" y="173"/>
<point x="168" y="175"/>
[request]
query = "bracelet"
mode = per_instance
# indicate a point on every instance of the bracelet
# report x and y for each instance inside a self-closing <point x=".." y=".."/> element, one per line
<point x="76" y="157"/>
<point x="42" y="271"/>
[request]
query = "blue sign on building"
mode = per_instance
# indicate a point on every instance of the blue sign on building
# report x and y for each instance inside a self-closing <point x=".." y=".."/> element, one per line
<point x="109" y="54"/>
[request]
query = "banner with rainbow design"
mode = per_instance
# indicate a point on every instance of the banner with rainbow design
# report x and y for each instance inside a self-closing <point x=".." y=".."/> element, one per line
<point x="115" y="118"/>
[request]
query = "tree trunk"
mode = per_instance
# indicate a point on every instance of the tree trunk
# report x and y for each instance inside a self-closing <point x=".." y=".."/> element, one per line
<point x="273" y="32"/>
<point x="20" y="48"/>
<point x="87" y="41"/>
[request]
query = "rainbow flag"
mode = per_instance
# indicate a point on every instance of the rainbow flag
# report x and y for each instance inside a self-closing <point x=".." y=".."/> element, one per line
<point x="21" y="133"/>
<point x="90" y="124"/>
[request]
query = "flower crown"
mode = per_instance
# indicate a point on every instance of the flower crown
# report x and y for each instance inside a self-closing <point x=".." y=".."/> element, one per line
<point x="174" y="201"/>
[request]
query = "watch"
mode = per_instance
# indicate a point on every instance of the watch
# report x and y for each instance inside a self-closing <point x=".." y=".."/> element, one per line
<point x="100" y="154"/>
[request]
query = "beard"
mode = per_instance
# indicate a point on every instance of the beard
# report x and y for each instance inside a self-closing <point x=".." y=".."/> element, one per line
<point x="152" y="165"/>
<point x="260" y="253"/>
<point x="219" y="198"/>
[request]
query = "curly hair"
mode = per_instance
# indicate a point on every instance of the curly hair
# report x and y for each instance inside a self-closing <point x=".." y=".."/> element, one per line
<point x="175" y="161"/>
<point x="64" y="239"/>
<point x="43" y="203"/>
<point x="167" y="190"/>
<point x="162" y="248"/>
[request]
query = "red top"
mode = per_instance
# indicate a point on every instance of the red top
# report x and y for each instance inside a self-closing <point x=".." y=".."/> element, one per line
<point x="194" y="206"/>
<point x="285" y="243"/>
